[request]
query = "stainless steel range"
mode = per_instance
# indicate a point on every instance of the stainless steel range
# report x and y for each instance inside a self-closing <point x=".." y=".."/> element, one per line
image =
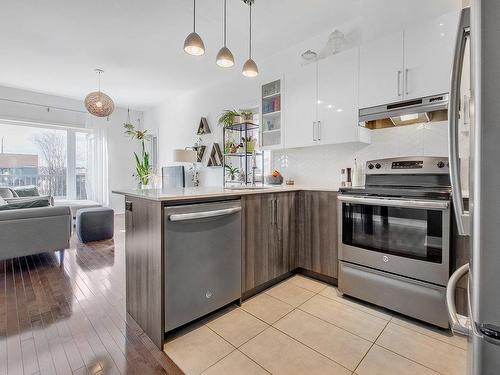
<point x="394" y="243"/>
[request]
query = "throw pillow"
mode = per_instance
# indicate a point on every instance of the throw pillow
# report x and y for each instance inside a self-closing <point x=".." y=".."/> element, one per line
<point x="26" y="191"/>
<point x="6" y="192"/>
<point x="2" y="202"/>
<point x="18" y="203"/>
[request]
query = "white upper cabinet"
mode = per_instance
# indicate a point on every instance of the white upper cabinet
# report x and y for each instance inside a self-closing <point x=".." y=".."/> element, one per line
<point x="409" y="64"/>
<point x="300" y="106"/>
<point x="321" y="102"/>
<point x="381" y="71"/>
<point x="428" y="54"/>
<point x="338" y="98"/>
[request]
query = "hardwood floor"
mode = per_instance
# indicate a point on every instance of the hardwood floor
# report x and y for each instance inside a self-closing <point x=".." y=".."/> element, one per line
<point x="71" y="318"/>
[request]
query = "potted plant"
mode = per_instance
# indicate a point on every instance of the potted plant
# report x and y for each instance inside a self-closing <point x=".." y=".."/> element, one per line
<point x="230" y="147"/>
<point x="249" y="142"/>
<point x="232" y="172"/>
<point x="229" y="117"/>
<point x="142" y="166"/>
<point x="246" y="116"/>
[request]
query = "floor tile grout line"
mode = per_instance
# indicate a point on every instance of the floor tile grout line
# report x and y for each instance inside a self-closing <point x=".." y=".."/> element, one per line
<point x="425" y="334"/>
<point x="357" y="308"/>
<point x="332" y="324"/>
<point x="383" y="329"/>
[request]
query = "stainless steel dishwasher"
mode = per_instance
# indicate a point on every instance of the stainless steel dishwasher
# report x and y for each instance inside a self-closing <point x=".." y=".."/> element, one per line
<point x="202" y="259"/>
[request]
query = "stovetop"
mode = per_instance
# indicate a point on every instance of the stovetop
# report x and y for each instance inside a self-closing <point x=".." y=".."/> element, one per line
<point x="413" y="192"/>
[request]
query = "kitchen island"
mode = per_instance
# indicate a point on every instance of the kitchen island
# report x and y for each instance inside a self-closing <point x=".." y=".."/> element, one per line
<point x="283" y="230"/>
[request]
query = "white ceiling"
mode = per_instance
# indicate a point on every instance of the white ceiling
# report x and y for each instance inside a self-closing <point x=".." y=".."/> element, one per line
<point x="53" y="46"/>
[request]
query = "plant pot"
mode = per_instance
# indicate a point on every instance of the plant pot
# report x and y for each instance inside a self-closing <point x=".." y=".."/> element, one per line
<point x="247" y="118"/>
<point x="251" y="146"/>
<point x="237" y="120"/>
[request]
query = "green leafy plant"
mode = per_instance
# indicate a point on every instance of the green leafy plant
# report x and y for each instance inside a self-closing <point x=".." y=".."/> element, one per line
<point x="232" y="172"/>
<point x="227" y="117"/>
<point x="142" y="166"/>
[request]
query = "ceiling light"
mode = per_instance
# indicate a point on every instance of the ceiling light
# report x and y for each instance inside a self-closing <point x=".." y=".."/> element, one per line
<point x="309" y="55"/>
<point x="193" y="44"/>
<point x="225" y="58"/>
<point x="340" y="110"/>
<point x="98" y="103"/>
<point x="330" y="106"/>
<point x="250" y="67"/>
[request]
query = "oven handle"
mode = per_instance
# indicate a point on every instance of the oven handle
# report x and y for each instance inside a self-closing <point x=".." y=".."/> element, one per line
<point x="442" y="205"/>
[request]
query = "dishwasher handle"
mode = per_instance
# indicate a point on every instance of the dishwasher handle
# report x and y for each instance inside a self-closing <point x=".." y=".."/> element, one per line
<point x="203" y="214"/>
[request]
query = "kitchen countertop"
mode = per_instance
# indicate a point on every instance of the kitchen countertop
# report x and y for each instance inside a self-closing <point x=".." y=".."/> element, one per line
<point x="176" y="194"/>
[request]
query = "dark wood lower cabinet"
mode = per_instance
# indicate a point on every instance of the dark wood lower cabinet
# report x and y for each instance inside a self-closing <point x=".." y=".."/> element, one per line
<point x="318" y="235"/>
<point x="269" y="237"/>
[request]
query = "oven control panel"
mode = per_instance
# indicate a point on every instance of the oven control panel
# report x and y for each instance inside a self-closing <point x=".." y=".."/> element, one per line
<point x="408" y="165"/>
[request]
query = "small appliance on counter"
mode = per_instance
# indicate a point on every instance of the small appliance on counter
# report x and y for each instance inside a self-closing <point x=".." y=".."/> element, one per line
<point x="394" y="242"/>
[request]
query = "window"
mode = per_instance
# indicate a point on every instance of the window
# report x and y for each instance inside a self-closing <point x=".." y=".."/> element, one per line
<point x="52" y="158"/>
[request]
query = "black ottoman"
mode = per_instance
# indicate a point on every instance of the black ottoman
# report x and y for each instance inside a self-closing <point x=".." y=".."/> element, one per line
<point x="95" y="224"/>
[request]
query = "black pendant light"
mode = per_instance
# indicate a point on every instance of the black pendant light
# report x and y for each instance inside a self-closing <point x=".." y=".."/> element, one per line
<point x="193" y="44"/>
<point x="225" y="58"/>
<point x="250" y="67"/>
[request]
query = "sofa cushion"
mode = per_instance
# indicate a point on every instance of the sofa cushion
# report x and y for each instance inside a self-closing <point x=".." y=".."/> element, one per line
<point x="27" y="202"/>
<point x="31" y="213"/>
<point x="7" y="192"/>
<point x="2" y="202"/>
<point x="26" y="191"/>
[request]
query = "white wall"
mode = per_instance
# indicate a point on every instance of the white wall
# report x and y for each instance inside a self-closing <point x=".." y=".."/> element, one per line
<point x="121" y="163"/>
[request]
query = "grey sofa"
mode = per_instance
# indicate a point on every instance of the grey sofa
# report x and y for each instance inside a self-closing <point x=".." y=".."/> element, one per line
<point x="28" y="231"/>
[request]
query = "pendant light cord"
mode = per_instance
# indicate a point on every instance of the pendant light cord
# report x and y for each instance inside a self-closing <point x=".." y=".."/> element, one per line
<point x="194" y="16"/>
<point x="250" y="47"/>
<point x="225" y="18"/>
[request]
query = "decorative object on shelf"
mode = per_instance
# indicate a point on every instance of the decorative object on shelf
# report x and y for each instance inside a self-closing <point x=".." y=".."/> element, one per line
<point x="193" y="44"/>
<point x="203" y="127"/>
<point x="215" y="159"/>
<point x="250" y="67"/>
<point x="142" y="166"/>
<point x="230" y="147"/>
<point x="188" y="155"/>
<point x="232" y="172"/>
<point x="229" y="117"/>
<point x="98" y="103"/>
<point x="290" y="182"/>
<point x="246" y="116"/>
<point x="274" y="178"/>
<point x="224" y="57"/>
<point x="248" y="144"/>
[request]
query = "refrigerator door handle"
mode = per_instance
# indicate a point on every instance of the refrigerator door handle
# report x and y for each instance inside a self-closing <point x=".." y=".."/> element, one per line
<point x="461" y="215"/>
<point x="458" y="323"/>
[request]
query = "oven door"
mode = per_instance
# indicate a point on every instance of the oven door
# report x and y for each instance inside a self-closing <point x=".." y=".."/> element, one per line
<point x="405" y="237"/>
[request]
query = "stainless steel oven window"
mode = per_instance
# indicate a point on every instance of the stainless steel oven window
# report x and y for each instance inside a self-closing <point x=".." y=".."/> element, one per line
<point x="403" y="231"/>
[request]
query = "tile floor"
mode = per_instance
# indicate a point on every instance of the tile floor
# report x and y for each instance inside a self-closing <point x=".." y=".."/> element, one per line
<point x="303" y="326"/>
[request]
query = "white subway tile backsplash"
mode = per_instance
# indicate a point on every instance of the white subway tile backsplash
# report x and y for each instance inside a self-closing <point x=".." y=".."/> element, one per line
<point x="321" y="165"/>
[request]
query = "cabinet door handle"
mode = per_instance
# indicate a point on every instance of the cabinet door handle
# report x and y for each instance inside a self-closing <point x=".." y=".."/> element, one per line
<point x="314" y="131"/>
<point x="319" y="131"/>
<point x="276" y="211"/>
<point x="399" y="82"/>
<point x="407" y="90"/>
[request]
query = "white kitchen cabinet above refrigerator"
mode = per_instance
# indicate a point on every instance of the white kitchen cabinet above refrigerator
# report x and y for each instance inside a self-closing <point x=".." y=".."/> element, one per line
<point x="321" y="102"/>
<point x="409" y="64"/>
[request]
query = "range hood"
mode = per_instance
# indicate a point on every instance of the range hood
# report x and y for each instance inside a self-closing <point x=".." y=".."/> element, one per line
<point x="414" y="111"/>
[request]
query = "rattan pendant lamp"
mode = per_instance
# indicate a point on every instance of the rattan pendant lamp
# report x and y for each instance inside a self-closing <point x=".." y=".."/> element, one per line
<point x="98" y="103"/>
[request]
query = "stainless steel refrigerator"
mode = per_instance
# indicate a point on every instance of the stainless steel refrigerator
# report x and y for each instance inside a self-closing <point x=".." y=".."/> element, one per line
<point x="478" y="39"/>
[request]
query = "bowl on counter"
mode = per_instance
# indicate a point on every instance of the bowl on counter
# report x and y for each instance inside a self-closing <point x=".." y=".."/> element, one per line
<point x="272" y="180"/>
